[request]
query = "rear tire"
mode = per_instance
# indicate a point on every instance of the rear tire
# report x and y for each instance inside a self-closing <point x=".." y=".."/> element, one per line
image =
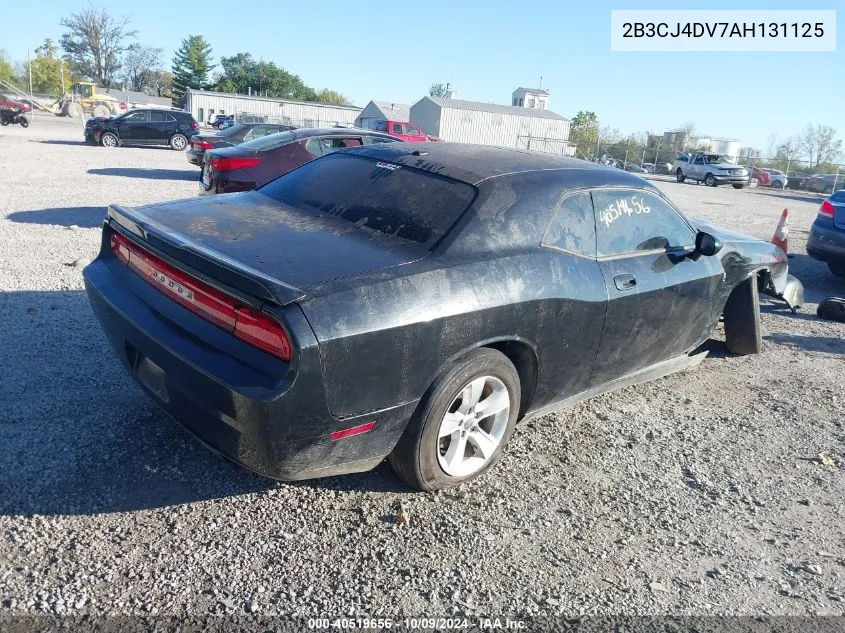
<point x="178" y="142"/>
<point x="743" y="334"/>
<point x="738" y="186"/>
<point x="100" y="111"/>
<point x="837" y="269"/>
<point x="427" y="449"/>
<point x="109" y="140"/>
<point x="679" y="176"/>
<point x="710" y="180"/>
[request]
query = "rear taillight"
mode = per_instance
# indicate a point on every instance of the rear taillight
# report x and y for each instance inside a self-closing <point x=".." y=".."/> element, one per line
<point x="203" y="145"/>
<point x="195" y="125"/>
<point x="826" y="210"/>
<point x="228" y="164"/>
<point x="226" y="312"/>
<point x="261" y="331"/>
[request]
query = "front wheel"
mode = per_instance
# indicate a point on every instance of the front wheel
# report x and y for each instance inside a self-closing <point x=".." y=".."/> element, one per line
<point x="679" y="176"/>
<point x="738" y="186"/>
<point x="108" y="140"/>
<point x="710" y="180"/>
<point x="743" y="334"/>
<point x="23" y="121"/>
<point x="462" y="424"/>
<point x="178" y="142"/>
<point x="100" y="111"/>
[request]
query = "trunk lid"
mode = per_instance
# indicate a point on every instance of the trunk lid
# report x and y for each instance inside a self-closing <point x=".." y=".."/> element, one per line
<point x="838" y="202"/>
<point x="248" y="239"/>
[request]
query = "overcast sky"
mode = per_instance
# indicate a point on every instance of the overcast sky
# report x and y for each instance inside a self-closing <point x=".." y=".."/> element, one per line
<point x="394" y="51"/>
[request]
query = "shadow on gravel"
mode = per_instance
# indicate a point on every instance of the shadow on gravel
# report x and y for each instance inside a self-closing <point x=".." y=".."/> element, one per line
<point x="60" y="142"/>
<point x="80" y="438"/>
<point x="819" y="283"/>
<point x="85" y="217"/>
<point x="821" y="344"/>
<point x="802" y="196"/>
<point x="151" y="174"/>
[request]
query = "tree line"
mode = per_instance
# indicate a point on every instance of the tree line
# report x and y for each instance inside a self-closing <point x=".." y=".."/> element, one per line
<point x="815" y="147"/>
<point x="103" y="49"/>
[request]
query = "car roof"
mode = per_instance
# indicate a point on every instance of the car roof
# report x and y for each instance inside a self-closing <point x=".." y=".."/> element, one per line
<point x="475" y="163"/>
<point x="305" y="132"/>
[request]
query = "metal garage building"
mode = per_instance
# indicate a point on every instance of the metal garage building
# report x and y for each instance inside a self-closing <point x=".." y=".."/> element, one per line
<point x="492" y="124"/>
<point x="204" y="105"/>
<point x="382" y="111"/>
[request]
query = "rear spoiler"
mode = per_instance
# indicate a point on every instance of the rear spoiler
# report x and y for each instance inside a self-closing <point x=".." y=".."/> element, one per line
<point x="209" y="262"/>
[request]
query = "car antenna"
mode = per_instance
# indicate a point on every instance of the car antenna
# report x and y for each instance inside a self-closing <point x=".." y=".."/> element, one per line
<point x="419" y="152"/>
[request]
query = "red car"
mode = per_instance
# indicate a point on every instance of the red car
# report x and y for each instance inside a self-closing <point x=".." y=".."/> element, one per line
<point x="763" y="177"/>
<point x="255" y="163"/>
<point x="404" y="130"/>
<point x="7" y="103"/>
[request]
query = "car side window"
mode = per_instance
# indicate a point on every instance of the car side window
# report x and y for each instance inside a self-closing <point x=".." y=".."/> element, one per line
<point x="413" y="131"/>
<point x="573" y="227"/>
<point x="159" y="117"/>
<point x="314" y="146"/>
<point x="380" y="139"/>
<point x="137" y="117"/>
<point x="634" y="220"/>
<point x="249" y="135"/>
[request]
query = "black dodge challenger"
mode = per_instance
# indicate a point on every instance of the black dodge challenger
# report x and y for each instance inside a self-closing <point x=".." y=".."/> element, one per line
<point x="414" y="301"/>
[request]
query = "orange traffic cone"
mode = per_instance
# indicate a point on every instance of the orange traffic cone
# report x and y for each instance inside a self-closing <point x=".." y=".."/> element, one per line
<point x="781" y="236"/>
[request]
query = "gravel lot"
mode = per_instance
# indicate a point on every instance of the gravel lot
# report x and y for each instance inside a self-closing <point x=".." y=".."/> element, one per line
<point x="701" y="493"/>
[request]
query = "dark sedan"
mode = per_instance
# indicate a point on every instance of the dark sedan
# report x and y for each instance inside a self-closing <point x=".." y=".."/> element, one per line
<point x="415" y="301"/>
<point x="257" y="162"/>
<point x="827" y="235"/>
<point x="238" y="133"/>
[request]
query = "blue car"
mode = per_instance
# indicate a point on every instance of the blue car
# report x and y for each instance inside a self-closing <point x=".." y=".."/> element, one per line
<point x="827" y="235"/>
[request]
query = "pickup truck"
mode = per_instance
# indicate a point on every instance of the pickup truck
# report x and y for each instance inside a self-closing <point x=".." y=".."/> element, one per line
<point x="712" y="170"/>
<point x="402" y="129"/>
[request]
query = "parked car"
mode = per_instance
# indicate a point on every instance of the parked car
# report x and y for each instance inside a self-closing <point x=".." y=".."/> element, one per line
<point x="649" y="168"/>
<point x="238" y="133"/>
<point x="663" y="168"/>
<point x="827" y="234"/>
<point x="145" y="126"/>
<point x="254" y="163"/>
<point x="796" y="181"/>
<point x="222" y="120"/>
<point x="777" y="179"/>
<point x="825" y="183"/>
<point x="7" y="103"/>
<point x="635" y="169"/>
<point x="763" y="177"/>
<point x="415" y="302"/>
<point x="403" y="130"/>
<point x="712" y="170"/>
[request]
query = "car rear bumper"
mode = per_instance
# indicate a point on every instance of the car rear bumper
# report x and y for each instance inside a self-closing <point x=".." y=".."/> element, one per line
<point x="194" y="157"/>
<point x="277" y="425"/>
<point x="826" y="242"/>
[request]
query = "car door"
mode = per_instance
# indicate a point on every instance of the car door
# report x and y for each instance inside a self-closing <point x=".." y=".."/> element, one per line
<point x="133" y="126"/>
<point x="660" y="301"/>
<point x="162" y="126"/>
<point x="696" y="167"/>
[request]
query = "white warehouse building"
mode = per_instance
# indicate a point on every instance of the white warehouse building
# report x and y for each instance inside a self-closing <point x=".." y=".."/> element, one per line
<point x="491" y="124"/>
<point x="382" y="111"/>
<point x="204" y="105"/>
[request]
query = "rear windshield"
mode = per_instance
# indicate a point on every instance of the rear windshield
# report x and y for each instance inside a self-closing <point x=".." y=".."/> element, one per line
<point x="234" y="129"/>
<point x="391" y="199"/>
<point x="271" y="141"/>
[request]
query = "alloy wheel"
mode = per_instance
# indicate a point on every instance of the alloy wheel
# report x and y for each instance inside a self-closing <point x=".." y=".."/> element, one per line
<point x="473" y="426"/>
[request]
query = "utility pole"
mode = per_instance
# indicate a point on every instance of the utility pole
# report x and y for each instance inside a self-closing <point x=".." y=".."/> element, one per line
<point x="62" y="71"/>
<point x="29" y="65"/>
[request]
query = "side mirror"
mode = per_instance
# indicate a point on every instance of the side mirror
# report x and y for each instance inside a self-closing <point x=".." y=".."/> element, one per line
<point x="706" y="244"/>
